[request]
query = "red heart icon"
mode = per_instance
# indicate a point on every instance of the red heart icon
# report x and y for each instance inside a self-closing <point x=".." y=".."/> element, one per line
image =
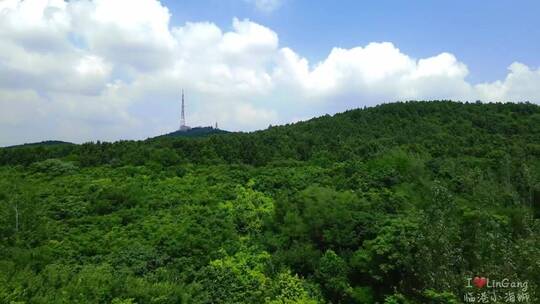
<point x="479" y="282"/>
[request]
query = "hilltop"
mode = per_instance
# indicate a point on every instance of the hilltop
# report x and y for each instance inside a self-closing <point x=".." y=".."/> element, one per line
<point x="42" y="143"/>
<point x="436" y="128"/>
<point x="195" y="132"/>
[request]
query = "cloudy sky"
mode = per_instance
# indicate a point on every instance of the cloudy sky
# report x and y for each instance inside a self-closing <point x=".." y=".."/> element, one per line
<point x="114" y="69"/>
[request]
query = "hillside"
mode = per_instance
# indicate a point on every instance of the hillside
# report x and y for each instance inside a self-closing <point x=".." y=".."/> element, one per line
<point x="398" y="203"/>
<point x="42" y="143"/>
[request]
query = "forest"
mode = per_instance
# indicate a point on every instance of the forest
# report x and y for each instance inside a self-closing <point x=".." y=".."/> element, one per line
<point x="401" y="203"/>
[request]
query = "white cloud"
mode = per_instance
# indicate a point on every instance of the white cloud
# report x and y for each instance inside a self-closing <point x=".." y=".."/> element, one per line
<point x="85" y="70"/>
<point x="521" y="84"/>
<point x="371" y="74"/>
<point x="249" y="116"/>
<point x="266" y="6"/>
<point x="138" y="40"/>
<point x="91" y="65"/>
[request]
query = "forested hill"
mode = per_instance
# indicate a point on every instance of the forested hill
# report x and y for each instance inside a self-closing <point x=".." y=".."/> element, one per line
<point x="436" y="128"/>
<point x="42" y="143"/>
<point x="402" y="203"/>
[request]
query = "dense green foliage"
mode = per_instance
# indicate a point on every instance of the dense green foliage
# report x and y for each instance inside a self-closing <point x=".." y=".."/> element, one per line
<point x="400" y="203"/>
<point x="196" y="132"/>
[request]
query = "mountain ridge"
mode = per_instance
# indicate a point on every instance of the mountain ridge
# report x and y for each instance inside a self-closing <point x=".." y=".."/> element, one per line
<point x="425" y="126"/>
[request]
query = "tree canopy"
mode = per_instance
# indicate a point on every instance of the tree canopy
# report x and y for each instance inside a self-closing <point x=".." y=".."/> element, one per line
<point x="399" y="203"/>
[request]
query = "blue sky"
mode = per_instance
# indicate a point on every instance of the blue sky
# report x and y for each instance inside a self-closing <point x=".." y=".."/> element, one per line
<point x="486" y="35"/>
<point x="106" y="70"/>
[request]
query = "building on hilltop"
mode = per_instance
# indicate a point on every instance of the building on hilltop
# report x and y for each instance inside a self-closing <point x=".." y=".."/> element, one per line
<point x="184" y="127"/>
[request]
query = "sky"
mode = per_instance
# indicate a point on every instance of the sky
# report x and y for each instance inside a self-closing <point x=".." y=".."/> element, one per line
<point x="114" y="69"/>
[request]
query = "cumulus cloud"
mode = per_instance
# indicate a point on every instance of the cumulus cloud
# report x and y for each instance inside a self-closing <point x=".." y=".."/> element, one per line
<point x="378" y="70"/>
<point x="521" y="84"/>
<point x="85" y="70"/>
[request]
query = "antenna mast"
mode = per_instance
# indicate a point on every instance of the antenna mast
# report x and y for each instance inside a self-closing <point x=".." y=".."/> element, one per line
<point x="183" y="126"/>
<point x="183" y="115"/>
